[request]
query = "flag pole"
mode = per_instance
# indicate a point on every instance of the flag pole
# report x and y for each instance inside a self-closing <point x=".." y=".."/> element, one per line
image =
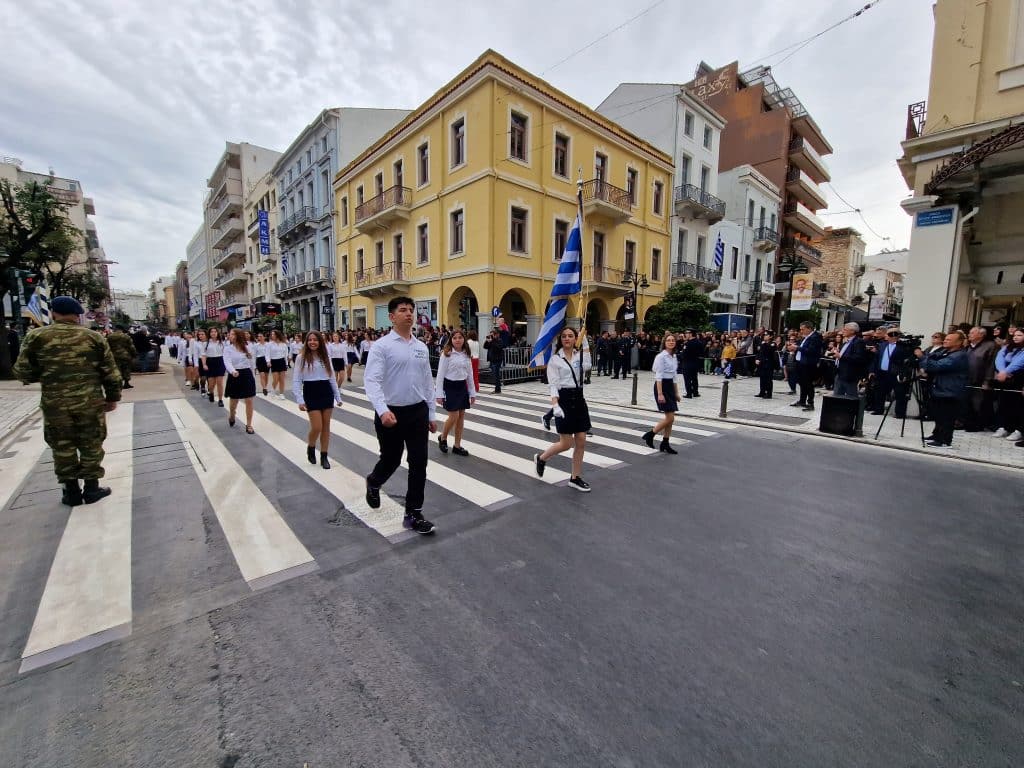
<point x="581" y="311"/>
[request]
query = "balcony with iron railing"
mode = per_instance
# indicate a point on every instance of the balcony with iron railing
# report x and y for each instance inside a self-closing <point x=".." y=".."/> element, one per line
<point x="766" y="239"/>
<point x="806" y="157"/>
<point x="603" y="199"/>
<point x="315" y="278"/>
<point x="801" y="218"/>
<point x="388" y="277"/>
<point x="684" y="270"/>
<point x="598" y="275"/>
<point x="230" y="278"/>
<point x="305" y="215"/>
<point x="693" y="201"/>
<point x="383" y="210"/>
<point x="800" y="184"/>
<point x="793" y="247"/>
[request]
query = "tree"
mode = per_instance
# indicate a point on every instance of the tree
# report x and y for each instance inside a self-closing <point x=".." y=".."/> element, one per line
<point x="796" y="316"/>
<point x="684" y="306"/>
<point x="84" y="285"/>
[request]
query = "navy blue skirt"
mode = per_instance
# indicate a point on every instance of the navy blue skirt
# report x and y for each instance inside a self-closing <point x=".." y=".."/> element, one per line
<point x="456" y="395"/>
<point x="278" y="365"/>
<point x="241" y="386"/>
<point x="338" y="364"/>
<point x="319" y="395"/>
<point x="215" y="367"/>
<point x="668" y="389"/>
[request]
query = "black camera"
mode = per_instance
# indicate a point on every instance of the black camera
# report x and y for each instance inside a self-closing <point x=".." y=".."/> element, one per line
<point x="910" y="342"/>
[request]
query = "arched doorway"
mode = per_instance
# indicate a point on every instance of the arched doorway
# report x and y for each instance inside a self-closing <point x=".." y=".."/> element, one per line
<point x="462" y="309"/>
<point x="597" y="314"/>
<point x="515" y="305"/>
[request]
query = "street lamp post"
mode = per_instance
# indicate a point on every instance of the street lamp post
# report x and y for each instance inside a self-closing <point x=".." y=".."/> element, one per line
<point x="637" y="281"/>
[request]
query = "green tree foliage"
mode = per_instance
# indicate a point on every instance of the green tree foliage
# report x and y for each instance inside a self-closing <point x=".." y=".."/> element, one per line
<point x="86" y="286"/>
<point x="796" y="316"/>
<point x="684" y="306"/>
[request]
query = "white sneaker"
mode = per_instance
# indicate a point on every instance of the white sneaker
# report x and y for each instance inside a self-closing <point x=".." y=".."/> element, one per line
<point x="999" y="433"/>
<point x="1014" y="437"/>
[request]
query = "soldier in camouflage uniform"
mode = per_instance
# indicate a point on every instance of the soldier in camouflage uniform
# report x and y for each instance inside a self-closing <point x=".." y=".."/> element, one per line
<point x="80" y="383"/>
<point x="123" y="347"/>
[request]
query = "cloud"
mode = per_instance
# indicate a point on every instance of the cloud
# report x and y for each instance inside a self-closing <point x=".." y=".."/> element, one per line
<point x="136" y="100"/>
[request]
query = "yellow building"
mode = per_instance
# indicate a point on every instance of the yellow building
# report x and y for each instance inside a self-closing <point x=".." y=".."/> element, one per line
<point x="962" y="159"/>
<point x="466" y="205"/>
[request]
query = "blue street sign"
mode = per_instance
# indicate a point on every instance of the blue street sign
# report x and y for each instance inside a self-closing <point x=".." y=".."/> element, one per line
<point x="495" y="311"/>
<point x="264" y="222"/>
<point x="936" y="218"/>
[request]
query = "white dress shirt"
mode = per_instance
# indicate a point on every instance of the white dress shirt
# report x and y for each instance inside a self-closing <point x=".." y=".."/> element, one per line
<point x="398" y="373"/>
<point x="315" y="372"/>
<point x="260" y="349"/>
<point x="335" y="350"/>
<point x="212" y="349"/>
<point x="665" y="365"/>
<point x="295" y="347"/>
<point x="234" y="360"/>
<point x="458" y="367"/>
<point x="474" y="348"/>
<point x="560" y="371"/>
<point x="276" y="350"/>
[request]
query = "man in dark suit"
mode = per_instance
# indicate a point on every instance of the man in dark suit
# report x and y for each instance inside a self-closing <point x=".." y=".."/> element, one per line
<point x="853" y="362"/>
<point x="890" y="357"/>
<point x="808" y="355"/>
<point x="690" y="358"/>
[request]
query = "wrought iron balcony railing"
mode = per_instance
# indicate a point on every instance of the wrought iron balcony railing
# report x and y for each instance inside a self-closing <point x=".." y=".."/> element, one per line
<point x="691" y="193"/>
<point x="596" y="189"/>
<point x="381" y="274"/>
<point x="389" y="198"/>
<point x="682" y="270"/>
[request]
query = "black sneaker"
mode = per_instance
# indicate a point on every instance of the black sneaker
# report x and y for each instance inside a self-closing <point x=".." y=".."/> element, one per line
<point x="579" y="484"/>
<point x="546" y="421"/>
<point x="458" y="450"/>
<point x="414" y="521"/>
<point x="539" y="464"/>
<point x="372" y="495"/>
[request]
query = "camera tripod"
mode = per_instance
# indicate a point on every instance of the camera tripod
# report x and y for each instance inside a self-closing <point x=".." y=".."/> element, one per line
<point x="906" y="377"/>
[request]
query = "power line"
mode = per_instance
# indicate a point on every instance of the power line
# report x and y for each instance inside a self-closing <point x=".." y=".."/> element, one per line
<point x="606" y="34"/>
<point x="858" y="212"/>
<point x="803" y="43"/>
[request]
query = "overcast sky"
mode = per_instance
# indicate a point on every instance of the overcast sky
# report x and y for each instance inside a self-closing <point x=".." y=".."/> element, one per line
<point x="136" y="99"/>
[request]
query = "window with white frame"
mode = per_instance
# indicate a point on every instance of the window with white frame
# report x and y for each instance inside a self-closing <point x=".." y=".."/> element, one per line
<point x="518" y="230"/>
<point x="684" y="169"/>
<point x="600" y="166"/>
<point x="630" y="257"/>
<point x="681" y="246"/>
<point x="735" y="261"/>
<point x="344" y="211"/>
<point x="631" y="181"/>
<point x="701" y="247"/>
<point x="458" y="141"/>
<point x="344" y="268"/>
<point x="457" y="231"/>
<point x="422" y="244"/>
<point x="360" y="263"/>
<point x="659" y="195"/>
<point x="561" y="238"/>
<point x="656" y="264"/>
<point x="688" y="124"/>
<point x="423" y="164"/>
<point x="708" y="136"/>
<point x="359" y="195"/>
<point x="561" y="155"/>
<point x="398" y="249"/>
<point x="379" y="253"/>
<point x="518" y="137"/>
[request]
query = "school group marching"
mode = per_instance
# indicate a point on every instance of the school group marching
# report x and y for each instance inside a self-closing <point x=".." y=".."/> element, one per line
<point x="403" y="391"/>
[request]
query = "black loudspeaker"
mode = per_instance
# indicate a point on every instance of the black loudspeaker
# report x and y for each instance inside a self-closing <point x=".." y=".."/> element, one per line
<point x="839" y="415"/>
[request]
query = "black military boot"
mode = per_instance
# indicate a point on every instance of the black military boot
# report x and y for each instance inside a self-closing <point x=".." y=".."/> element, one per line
<point x="93" y="493"/>
<point x="72" y="495"/>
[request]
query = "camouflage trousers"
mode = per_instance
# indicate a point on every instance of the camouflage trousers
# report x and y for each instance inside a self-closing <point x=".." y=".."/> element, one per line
<point x="126" y="370"/>
<point x="76" y="438"/>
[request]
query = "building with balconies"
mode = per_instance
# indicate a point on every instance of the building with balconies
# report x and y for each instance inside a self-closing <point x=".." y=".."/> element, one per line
<point x="199" y="274"/>
<point x="236" y="173"/>
<point x="303" y="176"/>
<point x="470" y="199"/>
<point x="963" y="160"/>
<point x="676" y="122"/>
<point x="262" y="248"/>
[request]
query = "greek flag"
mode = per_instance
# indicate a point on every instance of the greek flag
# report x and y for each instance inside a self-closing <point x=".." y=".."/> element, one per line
<point x="568" y="282"/>
<point x="719" y="253"/>
<point x="38" y="308"/>
<point x="284" y="264"/>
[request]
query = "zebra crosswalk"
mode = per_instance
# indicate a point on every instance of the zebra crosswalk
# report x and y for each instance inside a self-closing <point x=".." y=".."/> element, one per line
<point x="269" y="516"/>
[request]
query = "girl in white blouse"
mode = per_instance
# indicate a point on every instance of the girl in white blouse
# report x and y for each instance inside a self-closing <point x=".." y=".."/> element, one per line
<point x="316" y="392"/>
<point x="259" y="350"/>
<point x="295" y="346"/>
<point x="566" y="371"/>
<point x="240" y="364"/>
<point x="336" y="353"/>
<point x="351" y="354"/>
<point x="474" y="355"/>
<point x="454" y="389"/>
<point x="212" y="353"/>
<point x="197" y="360"/>
<point x="666" y="393"/>
<point x="277" y="358"/>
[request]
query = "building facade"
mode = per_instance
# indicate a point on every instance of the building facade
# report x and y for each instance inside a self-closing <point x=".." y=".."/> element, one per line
<point x="467" y="203"/>
<point x="304" y="176"/>
<point x="262" y="249"/>
<point x="963" y="158"/>
<point x="842" y="261"/>
<point x="750" y="239"/>
<point x="767" y="127"/>
<point x="135" y="304"/>
<point x="197" y="267"/>
<point x="239" y="169"/>
<point x="677" y="123"/>
<point x="181" y="295"/>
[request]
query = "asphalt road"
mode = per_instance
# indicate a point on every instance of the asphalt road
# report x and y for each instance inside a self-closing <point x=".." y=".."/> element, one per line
<point x="761" y="599"/>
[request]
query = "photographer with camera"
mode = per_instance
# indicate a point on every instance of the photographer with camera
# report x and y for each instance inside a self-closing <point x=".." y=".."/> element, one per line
<point x="947" y="371"/>
<point x="892" y="371"/>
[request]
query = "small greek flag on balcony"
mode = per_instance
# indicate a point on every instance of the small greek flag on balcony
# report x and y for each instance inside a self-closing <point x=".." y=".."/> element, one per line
<point x="284" y="264"/>
<point x="719" y="253"/>
<point x="568" y="282"/>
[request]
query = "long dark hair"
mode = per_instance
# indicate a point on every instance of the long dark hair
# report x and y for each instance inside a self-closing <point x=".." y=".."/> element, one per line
<point x="308" y="355"/>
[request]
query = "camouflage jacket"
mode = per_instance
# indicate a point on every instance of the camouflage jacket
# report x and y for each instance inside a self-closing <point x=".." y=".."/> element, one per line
<point x="74" y="365"/>
<point x="122" y="346"/>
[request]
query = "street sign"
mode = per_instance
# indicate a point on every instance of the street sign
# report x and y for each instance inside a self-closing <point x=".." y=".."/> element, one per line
<point x="935" y="218"/>
<point x="495" y="311"/>
<point x="264" y="224"/>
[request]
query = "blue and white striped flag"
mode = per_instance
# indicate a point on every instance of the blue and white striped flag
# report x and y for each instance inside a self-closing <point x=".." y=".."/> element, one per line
<point x="284" y="264"/>
<point x="568" y="282"/>
<point x="38" y="307"/>
<point x="719" y="253"/>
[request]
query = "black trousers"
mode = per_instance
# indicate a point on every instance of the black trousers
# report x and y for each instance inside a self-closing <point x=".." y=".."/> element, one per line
<point x="603" y="364"/>
<point x="767" y="382"/>
<point x="886" y="384"/>
<point x="690" y="380"/>
<point x="409" y="433"/>
<point x="944" y="411"/>
<point x="805" y="376"/>
<point x="622" y="365"/>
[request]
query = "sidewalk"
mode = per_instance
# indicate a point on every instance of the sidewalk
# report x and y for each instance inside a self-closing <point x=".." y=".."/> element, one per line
<point x="745" y="408"/>
<point x="18" y="403"/>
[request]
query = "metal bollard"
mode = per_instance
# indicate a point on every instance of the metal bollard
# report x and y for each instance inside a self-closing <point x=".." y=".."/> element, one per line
<point x="723" y="409"/>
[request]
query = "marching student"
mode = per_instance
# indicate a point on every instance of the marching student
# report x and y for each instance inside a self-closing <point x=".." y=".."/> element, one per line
<point x="351" y="354"/>
<point x="316" y="392"/>
<point x="566" y="370"/>
<point x="666" y="393"/>
<point x="336" y="353"/>
<point x="364" y="348"/>
<point x="295" y="346"/>
<point x="185" y="351"/>
<point x="259" y="350"/>
<point x="473" y="342"/>
<point x="241" y="384"/>
<point x="454" y="389"/>
<point x="277" y="360"/>
<point x="213" y="361"/>
<point x="197" y="360"/>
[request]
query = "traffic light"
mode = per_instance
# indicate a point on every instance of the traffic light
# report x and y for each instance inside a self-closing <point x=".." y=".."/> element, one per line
<point x="464" y="311"/>
<point x="29" y="282"/>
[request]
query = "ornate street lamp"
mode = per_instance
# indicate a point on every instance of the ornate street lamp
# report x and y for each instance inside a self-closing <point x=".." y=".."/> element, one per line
<point x="637" y="281"/>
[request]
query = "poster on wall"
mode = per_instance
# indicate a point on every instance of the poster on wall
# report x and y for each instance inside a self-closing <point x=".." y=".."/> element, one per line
<point x="876" y="309"/>
<point x="426" y="313"/>
<point x="803" y="292"/>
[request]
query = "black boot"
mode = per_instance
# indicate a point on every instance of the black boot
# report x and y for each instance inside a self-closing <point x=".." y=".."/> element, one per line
<point x="93" y="493"/>
<point x="311" y="453"/>
<point x="666" y="448"/>
<point x="649" y="439"/>
<point x="323" y="460"/>
<point x="72" y="495"/>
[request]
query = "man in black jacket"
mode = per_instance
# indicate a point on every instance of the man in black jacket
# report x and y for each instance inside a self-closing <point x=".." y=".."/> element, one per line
<point x="767" y="362"/>
<point x="808" y="354"/>
<point x="890" y="358"/>
<point x="852" y="363"/>
<point x="495" y="357"/>
<point x="690" y="357"/>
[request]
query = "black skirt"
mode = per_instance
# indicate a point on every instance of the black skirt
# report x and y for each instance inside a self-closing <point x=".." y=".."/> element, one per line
<point x="319" y="395"/>
<point x="577" y="415"/>
<point x="338" y="364"/>
<point x="278" y="364"/>
<point x="215" y="367"/>
<point x="353" y="358"/>
<point x="456" y="395"/>
<point x="668" y="389"/>
<point x="261" y="364"/>
<point x="241" y="386"/>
